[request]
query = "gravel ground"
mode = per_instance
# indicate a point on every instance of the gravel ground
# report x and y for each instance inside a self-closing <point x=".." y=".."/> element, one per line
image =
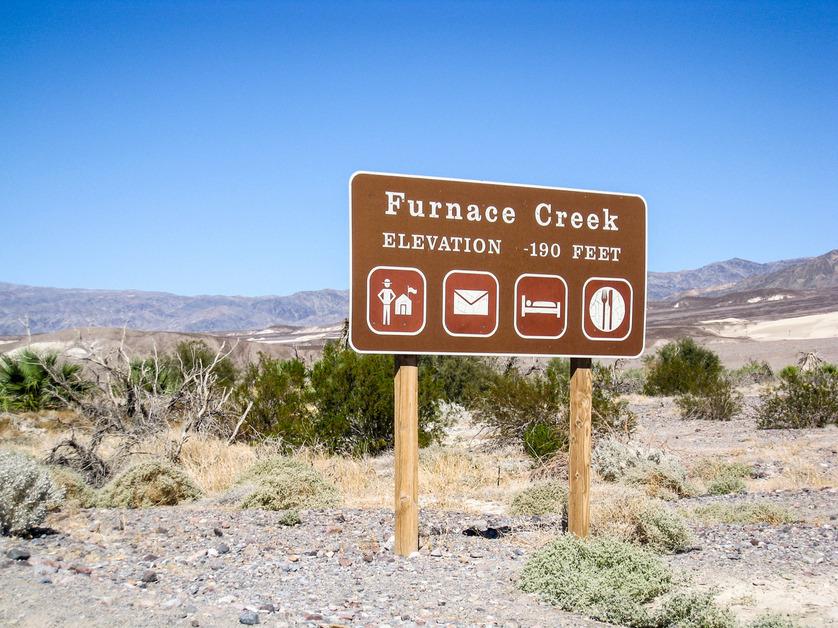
<point x="189" y="566"/>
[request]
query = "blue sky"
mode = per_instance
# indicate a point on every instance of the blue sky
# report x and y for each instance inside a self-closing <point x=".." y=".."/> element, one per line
<point x="205" y="147"/>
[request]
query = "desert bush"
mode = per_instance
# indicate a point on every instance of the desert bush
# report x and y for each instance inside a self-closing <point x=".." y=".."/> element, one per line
<point x="540" y="499"/>
<point x="283" y="483"/>
<point x="753" y="372"/>
<point x="723" y="478"/>
<point x="688" y="609"/>
<point x="26" y="493"/>
<point x="628" y="515"/>
<point x="660" y="474"/>
<point x="31" y="382"/>
<point x="604" y="579"/>
<point x="353" y="401"/>
<point x="462" y="379"/>
<point x="75" y="488"/>
<point x="772" y="620"/>
<point x="290" y="518"/>
<point x="726" y="485"/>
<point x="803" y="398"/>
<point x="718" y="402"/>
<point x="280" y="398"/>
<point x="747" y="513"/>
<point x="531" y="410"/>
<point x="148" y="484"/>
<point x="681" y="367"/>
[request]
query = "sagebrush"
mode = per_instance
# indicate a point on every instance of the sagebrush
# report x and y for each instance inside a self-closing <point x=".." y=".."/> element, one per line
<point x="604" y="579"/>
<point x="719" y="401"/>
<point x="26" y="493"/>
<point x="659" y="473"/>
<point x="681" y="367"/>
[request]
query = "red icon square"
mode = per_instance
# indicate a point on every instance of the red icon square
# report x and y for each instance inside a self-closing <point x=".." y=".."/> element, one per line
<point x="396" y="301"/>
<point x="470" y="303"/>
<point x="540" y="306"/>
<point x="606" y="308"/>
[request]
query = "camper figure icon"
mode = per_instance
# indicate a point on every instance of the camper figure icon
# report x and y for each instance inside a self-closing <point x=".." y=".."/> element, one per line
<point x="404" y="304"/>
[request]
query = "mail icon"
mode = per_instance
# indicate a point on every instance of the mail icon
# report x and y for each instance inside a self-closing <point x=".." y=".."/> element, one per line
<point x="471" y="302"/>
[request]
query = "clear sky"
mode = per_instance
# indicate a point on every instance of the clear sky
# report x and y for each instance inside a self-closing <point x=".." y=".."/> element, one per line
<point x="205" y="147"/>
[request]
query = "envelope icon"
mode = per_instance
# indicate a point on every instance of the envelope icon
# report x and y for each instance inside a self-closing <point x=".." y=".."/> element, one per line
<point x="471" y="302"/>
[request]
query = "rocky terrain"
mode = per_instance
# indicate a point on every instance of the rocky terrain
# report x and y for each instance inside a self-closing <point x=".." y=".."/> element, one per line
<point x="205" y="564"/>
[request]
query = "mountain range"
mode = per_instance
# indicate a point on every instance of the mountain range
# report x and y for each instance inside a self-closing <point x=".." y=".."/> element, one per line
<point x="52" y="309"/>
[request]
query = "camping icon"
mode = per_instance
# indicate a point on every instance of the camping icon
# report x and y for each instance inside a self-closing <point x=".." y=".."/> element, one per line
<point x="396" y="300"/>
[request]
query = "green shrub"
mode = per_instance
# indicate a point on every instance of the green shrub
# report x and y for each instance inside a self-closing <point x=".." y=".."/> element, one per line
<point x="283" y="483"/>
<point x="76" y="490"/>
<point x="462" y="379"/>
<point x="682" y="367"/>
<point x="281" y="402"/>
<point x="602" y="578"/>
<point x="26" y="493"/>
<point x="31" y="382"/>
<point x="290" y="518"/>
<point x="629" y="515"/>
<point x="353" y="400"/>
<point x="743" y="513"/>
<point x="148" y="484"/>
<point x="693" y="610"/>
<point x="540" y="499"/>
<point x="726" y="485"/>
<point x="753" y="372"/>
<point x="803" y="398"/>
<point x="531" y="411"/>
<point x="718" y="402"/>
<point x="772" y="620"/>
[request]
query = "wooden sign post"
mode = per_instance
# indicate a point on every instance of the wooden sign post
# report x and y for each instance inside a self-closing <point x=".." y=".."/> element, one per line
<point x="453" y="267"/>
<point x="406" y="454"/>
<point x="579" y="472"/>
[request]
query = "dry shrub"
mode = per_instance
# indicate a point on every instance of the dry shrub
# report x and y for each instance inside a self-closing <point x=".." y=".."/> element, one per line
<point x="629" y="515"/>
<point x="148" y="484"/>
<point x="283" y="483"/>
<point x="747" y="513"/>
<point x="76" y="491"/>
<point x="659" y="473"/>
<point x="541" y="498"/>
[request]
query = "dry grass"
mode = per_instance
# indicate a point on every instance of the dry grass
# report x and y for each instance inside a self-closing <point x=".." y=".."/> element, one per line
<point x="449" y="478"/>
<point x="213" y="464"/>
<point x="798" y="469"/>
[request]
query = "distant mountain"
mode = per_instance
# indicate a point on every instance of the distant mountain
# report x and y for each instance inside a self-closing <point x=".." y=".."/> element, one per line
<point x="713" y="277"/>
<point x="51" y="309"/>
<point x="811" y="273"/>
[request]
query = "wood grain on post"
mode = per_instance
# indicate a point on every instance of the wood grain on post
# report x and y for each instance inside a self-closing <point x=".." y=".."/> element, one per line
<point x="406" y="454"/>
<point x="579" y="473"/>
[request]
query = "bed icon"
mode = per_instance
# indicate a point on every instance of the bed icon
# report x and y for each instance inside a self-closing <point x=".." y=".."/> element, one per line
<point x="540" y="306"/>
<point x="528" y="306"/>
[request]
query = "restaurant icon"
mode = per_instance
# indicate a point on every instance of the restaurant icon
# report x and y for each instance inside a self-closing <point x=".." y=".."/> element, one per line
<point x="540" y="306"/>
<point x="606" y="309"/>
<point x="395" y="300"/>
<point x="470" y="303"/>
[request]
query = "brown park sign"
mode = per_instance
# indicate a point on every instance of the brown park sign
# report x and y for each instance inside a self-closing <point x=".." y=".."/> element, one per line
<point x="445" y="266"/>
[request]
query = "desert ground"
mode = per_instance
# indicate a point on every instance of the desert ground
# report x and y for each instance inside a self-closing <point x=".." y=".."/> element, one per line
<point x="211" y="564"/>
